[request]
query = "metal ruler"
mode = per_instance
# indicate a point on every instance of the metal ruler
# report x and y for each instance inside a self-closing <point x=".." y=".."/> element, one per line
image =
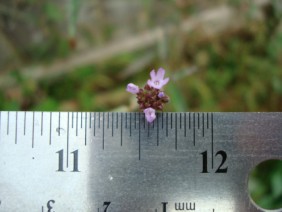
<point x="117" y="162"/>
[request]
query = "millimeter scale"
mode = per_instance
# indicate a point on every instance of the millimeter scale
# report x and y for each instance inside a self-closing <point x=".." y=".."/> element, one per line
<point x="117" y="162"/>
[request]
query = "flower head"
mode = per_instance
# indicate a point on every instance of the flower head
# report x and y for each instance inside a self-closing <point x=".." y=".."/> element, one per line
<point x="150" y="114"/>
<point x="157" y="79"/>
<point x="151" y="97"/>
<point x="134" y="89"/>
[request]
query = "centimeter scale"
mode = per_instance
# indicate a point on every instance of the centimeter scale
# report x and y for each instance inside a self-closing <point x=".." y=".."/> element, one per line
<point x="117" y="162"/>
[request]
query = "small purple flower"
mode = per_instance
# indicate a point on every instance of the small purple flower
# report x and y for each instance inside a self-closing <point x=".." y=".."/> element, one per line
<point x="134" y="89"/>
<point x="161" y="94"/>
<point x="157" y="80"/>
<point x="150" y="114"/>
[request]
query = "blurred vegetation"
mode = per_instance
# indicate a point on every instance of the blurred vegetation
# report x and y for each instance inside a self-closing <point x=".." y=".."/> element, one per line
<point x="238" y="69"/>
<point x="265" y="184"/>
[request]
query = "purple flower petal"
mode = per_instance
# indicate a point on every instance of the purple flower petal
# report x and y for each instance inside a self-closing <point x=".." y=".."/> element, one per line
<point x="160" y="73"/>
<point x="134" y="89"/>
<point x="150" y="114"/>
<point x="161" y="94"/>
<point x="157" y="79"/>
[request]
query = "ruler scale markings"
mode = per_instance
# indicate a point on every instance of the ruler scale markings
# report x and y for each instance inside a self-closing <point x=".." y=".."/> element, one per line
<point x="50" y="130"/>
<point x="8" y="122"/>
<point x="130" y="124"/>
<point x="90" y="119"/>
<point x="139" y="138"/>
<point x="194" y="130"/>
<point x="24" y="121"/>
<point x="0" y="124"/>
<point x="116" y="120"/>
<point x="76" y="133"/>
<point x="170" y="120"/>
<point x="121" y="118"/>
<point x="212" y="139"/>
<point x="68" y="140"/>
<point x="207" y="120"/>
<point x="112" y="124"/>
<point x="175" y="131"/>
<point x="198" y="120"/>
<point x="94" y="127"/>
<point x="135" y="120"/>
<point x="41" y="123"/>
<point x="233" y="121"/>
<point x="158" y="117"/>
<point x="16" y="130"/>
<point x="72" y="120"/>
<point x="81" y="118"/>
<point x="203" y="120"/>
<point x="108" y="120"/>
<point x="148" y="129"/>
<point x="189" y="120"/>
<point x="126" y="121"/>
<point x="85" y="136"/>
<point x="32" y="130"/>
<point x="99" y="116"/>
<point x="162" y="120"/>
<point x="185" y="124"/>
<point x="166" y="125"/>
<point x="154" y="124"/>
<point x="144" y="120"/>
<point x="59" y="128"/>
<point x="180" y="117"/>
<point x="103" y="133"/>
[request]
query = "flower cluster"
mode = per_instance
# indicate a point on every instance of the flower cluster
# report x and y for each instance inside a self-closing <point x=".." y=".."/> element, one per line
<point x="151" y="98"/>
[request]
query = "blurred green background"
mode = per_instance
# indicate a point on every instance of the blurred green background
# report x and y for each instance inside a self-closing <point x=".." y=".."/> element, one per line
<point x="221" y="55"/>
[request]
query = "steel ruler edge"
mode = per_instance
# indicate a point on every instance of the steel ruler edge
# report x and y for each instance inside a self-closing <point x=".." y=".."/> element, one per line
<point x="114" y="161"/>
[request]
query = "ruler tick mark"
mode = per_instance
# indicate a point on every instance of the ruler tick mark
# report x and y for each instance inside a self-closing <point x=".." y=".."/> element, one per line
<point x="99" y="114"/>
<point x="130" y="124"/>
<point x="185" y="125"/>
<point x="135" y="120"/>
<point x="121" y="118"/>
<point x="33" y="129"/>
<point x="189" y="120"/>
<point x="212" y="139"/>
<point x="76" y="130"/>
<point x="50" y="132"/>
<point x="81" y="120"/>
<point x="16" y="130"/>
<point x="85" y="136"/>
<point x="112" y="124"/>
<point x="180" y="117"/>
<point x="162" y="120"/>
<point x="166" y="125"/>
<point x="68" y="140"/>
<point x="198" y="120"/>
<point x="103" y="135"/>
<point x="126" y="121"/>
<point x="72" y="120"/>
<point x="59" y="128"/>
<point x="108" y="120"/>
<point x="158" y="117"/>
<point x="207" y="120"/>
<point x="203" y="124"/>
<point x="194" y="138"/>
<point x="90" y="119"/>
<point x="8" y="122"/>
<point x="41" y="123"/>
<point x="139" y="138"/>
<point x="175" y="131"/>
<point x="94" y="127"/>
<point x="117" y="121"/>
<point x="170" y="120"/>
